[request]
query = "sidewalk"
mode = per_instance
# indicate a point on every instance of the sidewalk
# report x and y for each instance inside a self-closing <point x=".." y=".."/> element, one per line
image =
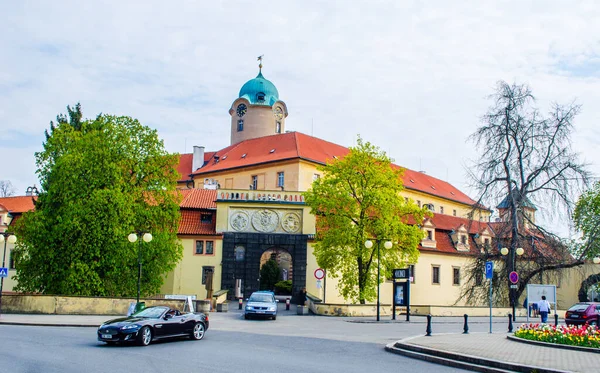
<point x="484" y="349"/>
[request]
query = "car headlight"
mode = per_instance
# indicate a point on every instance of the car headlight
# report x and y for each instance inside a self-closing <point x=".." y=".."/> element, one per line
<point x="248" y="308"/>
<point x="271" y="308"/>
<point x="129" y="327"/>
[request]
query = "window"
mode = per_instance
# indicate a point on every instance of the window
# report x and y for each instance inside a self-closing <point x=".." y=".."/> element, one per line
<point x="486" y="242"/>
<point x="206" y="218"/>
<point x="431" y="207"/>
<point x="406" y="199"/>
<point x="280" y="179"/>
<point x="441" y="209"/>
<point x="418" y="203"/>
<point x="429" y="235"/>
<point x="435" y="275"/>
<point x="11" y="261"/>
<point x="316" y="177"/>
<point x="478" y="279"/>
<point x="240" y="125"/>
<point x="239" y="253"/>
<point x="412" y="273"/>
<point x="454" y="212"/>
<point x="210" y="248"/>
<point x="455" y="276"/>
<point x="254" y="182"/>
<point x="199" y="247"/>
<point x="260" y="96"/>
<point x="463" y="239"/>
<point x="278" y="127"/>
<point x="207" y="271"/>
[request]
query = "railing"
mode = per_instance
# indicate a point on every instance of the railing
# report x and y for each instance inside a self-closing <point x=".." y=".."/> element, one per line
<point x="259" y="196"/>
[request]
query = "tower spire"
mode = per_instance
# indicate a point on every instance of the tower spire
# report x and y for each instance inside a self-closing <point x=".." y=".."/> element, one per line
<point x="259" y="59"/>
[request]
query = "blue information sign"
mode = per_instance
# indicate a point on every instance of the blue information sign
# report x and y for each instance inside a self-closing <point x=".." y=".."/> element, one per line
<point x="489" y="270"/>
<point x="3" y="272"/>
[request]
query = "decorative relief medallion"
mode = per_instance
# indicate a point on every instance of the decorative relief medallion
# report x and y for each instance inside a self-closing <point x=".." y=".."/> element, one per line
<point x="291" y="223"/>
<point x="239" y="221"/>
<point x="265" y="220"/>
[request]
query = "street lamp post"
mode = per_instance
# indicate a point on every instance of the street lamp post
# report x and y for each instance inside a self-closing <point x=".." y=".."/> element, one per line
<point x="146" y="237"/>
<point x="7" y="237"/>
<point x="387" y="245"/>
<point x="512" y="266"/>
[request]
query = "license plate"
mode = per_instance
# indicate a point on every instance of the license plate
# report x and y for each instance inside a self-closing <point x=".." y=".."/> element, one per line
<point x="574" y="316"/>
<point x="260" y="311"/>
<point x="106" y="336"/>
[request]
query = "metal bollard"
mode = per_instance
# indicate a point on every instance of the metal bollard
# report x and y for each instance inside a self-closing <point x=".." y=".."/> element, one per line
<point x="556" y="319"/>
<point x="287" y="304"/>
<point x="240" y="303"/>
<point x="428" y="330"/>
<point x="510" y="326"/>
<point x="466" y="327"/>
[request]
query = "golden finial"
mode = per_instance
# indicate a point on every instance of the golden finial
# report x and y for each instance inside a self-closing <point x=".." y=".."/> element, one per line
<point x="259" y="59"/>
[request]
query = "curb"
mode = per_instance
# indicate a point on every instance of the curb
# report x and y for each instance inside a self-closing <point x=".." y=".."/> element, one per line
<point x="554" y="345"/>
<point x="462" y="361"/>
<point x="47" y="324"/>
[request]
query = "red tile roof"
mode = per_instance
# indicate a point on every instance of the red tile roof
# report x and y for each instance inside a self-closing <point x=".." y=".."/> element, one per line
<point x="449" y="222"/>
<point x="294" y="145"/>
<point x="17" y="205"/>
<point x="184" y="168"/>
<point x="198" y="199"/>
<point x="190" y="223"/>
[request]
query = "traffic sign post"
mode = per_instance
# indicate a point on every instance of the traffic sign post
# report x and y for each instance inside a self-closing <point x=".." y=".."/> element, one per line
<point x="489" y="274"/>
<point x="3" y="272"/>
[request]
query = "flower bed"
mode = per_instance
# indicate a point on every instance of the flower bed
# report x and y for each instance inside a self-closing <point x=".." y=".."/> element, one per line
<point x="583" y="336"/>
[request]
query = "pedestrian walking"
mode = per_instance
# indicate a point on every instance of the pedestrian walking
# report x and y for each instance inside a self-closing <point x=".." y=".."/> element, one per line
<point x="544" y="309"/>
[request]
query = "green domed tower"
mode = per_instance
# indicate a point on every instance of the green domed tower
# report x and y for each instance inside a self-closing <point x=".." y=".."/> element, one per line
<point x="257" y="111"/>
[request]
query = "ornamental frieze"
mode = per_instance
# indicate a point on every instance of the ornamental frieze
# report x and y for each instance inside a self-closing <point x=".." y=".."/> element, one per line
<point x="265" y="220"/>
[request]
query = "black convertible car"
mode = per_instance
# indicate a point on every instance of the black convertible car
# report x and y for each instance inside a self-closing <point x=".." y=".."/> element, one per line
<point x="153" y="323"/>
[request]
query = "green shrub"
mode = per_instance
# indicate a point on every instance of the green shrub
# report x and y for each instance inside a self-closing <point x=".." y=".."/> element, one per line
<point x="269" y="275"/>
<point x="283" y="287"/>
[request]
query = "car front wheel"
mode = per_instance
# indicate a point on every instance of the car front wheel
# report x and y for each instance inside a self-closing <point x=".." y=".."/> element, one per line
<point x="198" y="331"/>
<point x="144" y="336"/>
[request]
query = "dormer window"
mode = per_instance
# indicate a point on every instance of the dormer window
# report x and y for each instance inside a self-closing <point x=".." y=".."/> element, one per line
<point x="429" y="235"/>
<point x="463" y="239"/>
<point x="260" y="96"/>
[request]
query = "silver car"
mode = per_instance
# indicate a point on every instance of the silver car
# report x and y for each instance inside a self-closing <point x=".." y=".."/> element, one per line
<point x="261" y="303"/>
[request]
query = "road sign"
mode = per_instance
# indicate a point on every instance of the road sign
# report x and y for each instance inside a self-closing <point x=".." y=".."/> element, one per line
<point x="401" y="273"/>
<point x="513" y="277"/>
<point x="3" y="272"/>
<point x="513" y="286"/>
<point x="319" y="273"/>
<point x="489" y="270"/>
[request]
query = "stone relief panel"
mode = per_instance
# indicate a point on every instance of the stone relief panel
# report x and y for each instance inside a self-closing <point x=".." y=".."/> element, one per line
<point x="265" y="220"/>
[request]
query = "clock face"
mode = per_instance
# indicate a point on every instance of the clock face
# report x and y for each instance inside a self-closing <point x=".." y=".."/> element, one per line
<point x="241" y="110"/>
<point x="278" y="113"/>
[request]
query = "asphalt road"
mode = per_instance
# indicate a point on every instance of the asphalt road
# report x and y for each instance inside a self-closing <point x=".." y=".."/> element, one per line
<point x="289" y="344"/>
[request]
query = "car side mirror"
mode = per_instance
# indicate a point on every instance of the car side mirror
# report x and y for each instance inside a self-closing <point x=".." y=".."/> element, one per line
<point x="168" y="316"/>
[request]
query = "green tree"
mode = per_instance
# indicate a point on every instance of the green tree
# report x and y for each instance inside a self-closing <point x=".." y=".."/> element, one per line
<point x="358" y="198"/>
<point x="270" y="274"/>
<point x="101" y="180"/>
<point x="587" y="221"/>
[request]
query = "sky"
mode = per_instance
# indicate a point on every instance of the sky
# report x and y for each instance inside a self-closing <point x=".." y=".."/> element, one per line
<point x="411" y="77"/>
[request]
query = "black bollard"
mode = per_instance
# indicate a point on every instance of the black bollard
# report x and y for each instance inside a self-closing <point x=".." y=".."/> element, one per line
<point x="240" y="303"/>
<point x="510" y="326"/>
<point x="556" y="319"/>
<point x="287" y="304"/>
<point x="466" y="327"/>
<point x="428" y="330"/>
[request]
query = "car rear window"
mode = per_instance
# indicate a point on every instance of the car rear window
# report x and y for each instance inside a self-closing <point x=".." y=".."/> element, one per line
<point x="579" y="307"/>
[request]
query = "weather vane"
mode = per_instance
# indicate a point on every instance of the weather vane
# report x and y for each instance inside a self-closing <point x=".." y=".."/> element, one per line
<point x="259" y="59"/>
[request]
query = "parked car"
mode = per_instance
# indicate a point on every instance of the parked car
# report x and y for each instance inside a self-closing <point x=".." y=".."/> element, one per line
<point x="584" y="313"/>
<point x="262" y="304"/>
<point x="153" y="323"/>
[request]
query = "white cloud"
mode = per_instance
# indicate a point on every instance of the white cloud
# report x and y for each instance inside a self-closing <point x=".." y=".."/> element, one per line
<point x="410" y="76"/>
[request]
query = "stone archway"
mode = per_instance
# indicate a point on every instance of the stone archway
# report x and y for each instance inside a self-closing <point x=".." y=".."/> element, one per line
<point x="585" y="286"/>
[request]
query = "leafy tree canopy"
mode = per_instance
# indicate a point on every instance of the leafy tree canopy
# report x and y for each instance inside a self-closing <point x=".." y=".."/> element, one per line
<point x="270" y="274"/>
<point x="357" y="199"/>
<point x="587" y="221"/>
<point x="101" y="180"/>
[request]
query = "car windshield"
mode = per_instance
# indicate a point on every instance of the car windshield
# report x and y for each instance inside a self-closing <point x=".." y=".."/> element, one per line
<point x="579" y="307"/>
<point x="267" y="298"/>
<point x="152" y="312"/>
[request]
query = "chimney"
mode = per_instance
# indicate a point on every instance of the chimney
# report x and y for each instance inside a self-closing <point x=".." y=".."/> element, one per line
<point x="198" y="158"/>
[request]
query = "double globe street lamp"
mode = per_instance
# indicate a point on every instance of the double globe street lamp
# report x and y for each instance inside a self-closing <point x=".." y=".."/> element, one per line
<point x="8" y="238"/>
<point x="518" y="251"/>
<point x="133" y="237"/>
<point x="388" y="245"/>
